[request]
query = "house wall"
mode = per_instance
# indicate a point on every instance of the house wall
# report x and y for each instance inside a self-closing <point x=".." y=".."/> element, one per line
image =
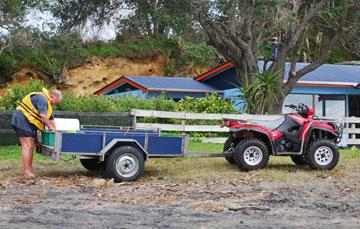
<point x="223" y="80"/>
<point x="327" y="101"/>
<point x="134" y="93"/>
<point x="171" y="95"/>
<point x="175" y="95"/>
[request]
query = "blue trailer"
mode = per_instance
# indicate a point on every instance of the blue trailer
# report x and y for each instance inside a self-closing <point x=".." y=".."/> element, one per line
<point x="121" y="152"/>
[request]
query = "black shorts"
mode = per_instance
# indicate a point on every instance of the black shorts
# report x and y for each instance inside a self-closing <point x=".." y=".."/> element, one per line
<point x="24" y="133"/>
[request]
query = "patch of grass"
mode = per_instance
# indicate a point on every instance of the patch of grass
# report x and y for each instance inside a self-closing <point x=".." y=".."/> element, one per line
<point x="13" y="152"/>
<point x="197" y="146"/>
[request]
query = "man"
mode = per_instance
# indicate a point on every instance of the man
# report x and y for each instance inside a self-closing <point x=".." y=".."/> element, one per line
<point x="34" y="113"/>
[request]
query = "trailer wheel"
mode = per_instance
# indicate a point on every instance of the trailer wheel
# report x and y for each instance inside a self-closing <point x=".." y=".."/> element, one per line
<point x="299" y="160"/>
<point x="323" y="154"/>
<point x="93" y="164"/>
<point x="227" y="145"/>
<point x="251" y="154"/>
<point x="126" y="163"/>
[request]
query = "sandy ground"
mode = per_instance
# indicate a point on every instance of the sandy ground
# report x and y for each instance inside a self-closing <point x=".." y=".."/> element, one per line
<point x="88" y="202"/>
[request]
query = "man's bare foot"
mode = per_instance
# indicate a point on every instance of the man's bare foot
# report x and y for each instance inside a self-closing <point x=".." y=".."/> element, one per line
<point x="30" y="175"/>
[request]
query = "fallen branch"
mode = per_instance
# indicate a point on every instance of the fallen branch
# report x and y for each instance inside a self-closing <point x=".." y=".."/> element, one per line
<point x="241" y="208"/>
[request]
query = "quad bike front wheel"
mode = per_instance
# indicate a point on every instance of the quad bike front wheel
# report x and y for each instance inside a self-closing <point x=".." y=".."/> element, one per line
<point x="251" y="154"/>
<point x="323" y="154"/>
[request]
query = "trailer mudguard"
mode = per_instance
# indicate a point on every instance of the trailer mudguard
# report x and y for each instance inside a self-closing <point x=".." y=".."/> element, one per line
<point x="116" y="142"/>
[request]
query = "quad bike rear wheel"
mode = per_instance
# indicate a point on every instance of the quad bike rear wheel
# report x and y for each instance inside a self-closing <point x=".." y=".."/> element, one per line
<point x="227" y="145"/>
<point x="299" y="160"/>
<point x="251" y="154"/>
<point x="323" y="154"/>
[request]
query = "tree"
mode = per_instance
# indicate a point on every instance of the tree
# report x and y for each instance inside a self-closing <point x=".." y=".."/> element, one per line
<point x="156" y="18"/>
<point x="142" y="17"/>
<point x="10" y="11"/>
<point x="238" y="29"/>
<point x="74" y="13"/>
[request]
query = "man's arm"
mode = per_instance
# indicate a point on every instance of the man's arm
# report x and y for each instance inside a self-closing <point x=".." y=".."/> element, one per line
<point x="41" y="104"/>
<point x="49" y="123"/>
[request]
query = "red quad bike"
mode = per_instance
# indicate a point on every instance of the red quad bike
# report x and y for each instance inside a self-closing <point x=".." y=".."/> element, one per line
<point x="307" y="139"/>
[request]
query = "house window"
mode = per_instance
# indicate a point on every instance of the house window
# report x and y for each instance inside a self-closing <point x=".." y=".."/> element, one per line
<point x="324" y="105"/>
<point x="296" y="99"/>
<point x="333" y="105"/>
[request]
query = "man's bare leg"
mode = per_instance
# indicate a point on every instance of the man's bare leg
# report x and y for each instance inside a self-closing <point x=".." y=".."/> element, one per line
<point x="27" y="148"/>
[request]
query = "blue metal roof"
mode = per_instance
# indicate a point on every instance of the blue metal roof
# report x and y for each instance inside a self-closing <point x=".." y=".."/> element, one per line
<point x="156" y="83"/>
<point x="330" y="73"/>
<point x="335" y="74"/>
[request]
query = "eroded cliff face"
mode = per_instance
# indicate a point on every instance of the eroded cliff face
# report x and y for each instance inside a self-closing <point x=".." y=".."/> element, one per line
<point x="98" y="72"/>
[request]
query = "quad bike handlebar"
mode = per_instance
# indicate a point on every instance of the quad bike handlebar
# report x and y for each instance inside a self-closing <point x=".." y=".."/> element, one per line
<point x="301" y="109"/>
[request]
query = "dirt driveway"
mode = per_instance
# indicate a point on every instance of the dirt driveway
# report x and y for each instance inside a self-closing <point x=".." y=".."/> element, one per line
<point x="88" y="202"/>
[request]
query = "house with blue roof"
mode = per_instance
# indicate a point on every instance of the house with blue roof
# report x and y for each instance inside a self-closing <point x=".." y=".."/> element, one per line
<point x="332" y="89"/>
<point x="151" y="86"/>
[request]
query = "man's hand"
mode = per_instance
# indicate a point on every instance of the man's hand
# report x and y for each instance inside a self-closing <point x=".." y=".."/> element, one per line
<point x="49" y="123"/>
<point x="53" y="128"/>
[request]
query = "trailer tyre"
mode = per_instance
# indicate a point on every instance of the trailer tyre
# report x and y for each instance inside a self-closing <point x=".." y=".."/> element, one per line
<point x="227" y="145"/>
<point x="93" y="164"/>
<point x="251" y="154"/>
<point x="125" y="163"/>
<point x="323" y="154"/>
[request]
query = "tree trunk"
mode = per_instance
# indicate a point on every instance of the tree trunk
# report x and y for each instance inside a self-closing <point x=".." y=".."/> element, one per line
<point x="276" y="106"/>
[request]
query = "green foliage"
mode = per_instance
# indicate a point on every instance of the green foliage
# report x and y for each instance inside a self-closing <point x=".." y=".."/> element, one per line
<point x="49" y="53"/>
<point x="155" y="103"/>
<point x="92" y="103"/>
<point x="209" y="104"/>
<point x="177" y="51"/>
<point x="246" y="97"/>
<point x="132" y="49"/>
<point x="13" y="8"/>
<point x="200" y="54"/>
<point x="17" y="92"/>
<point x="7" y="67"/>
<point x="258" y="96"/>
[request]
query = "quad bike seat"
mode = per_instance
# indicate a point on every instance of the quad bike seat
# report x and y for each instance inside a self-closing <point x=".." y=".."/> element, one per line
<point x="271" y="124"/>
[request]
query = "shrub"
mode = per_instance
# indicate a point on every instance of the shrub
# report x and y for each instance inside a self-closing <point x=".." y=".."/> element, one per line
<point x="125" y="104"/>
<point x="93" y="103"/>
<point x="7" y="67"/>
<point x="209" y="104"/>
<point x="17" y="92"/>
<point x="90" y="103"/>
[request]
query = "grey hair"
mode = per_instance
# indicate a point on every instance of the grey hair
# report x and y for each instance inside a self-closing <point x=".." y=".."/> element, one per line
<point x="57" y="94"/>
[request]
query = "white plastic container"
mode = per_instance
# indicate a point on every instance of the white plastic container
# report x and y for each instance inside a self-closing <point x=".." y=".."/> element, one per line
<point x="67" y="124"/>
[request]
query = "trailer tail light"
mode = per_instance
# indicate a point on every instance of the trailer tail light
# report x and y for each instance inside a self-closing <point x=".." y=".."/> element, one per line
<point x="227" y="123"/>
